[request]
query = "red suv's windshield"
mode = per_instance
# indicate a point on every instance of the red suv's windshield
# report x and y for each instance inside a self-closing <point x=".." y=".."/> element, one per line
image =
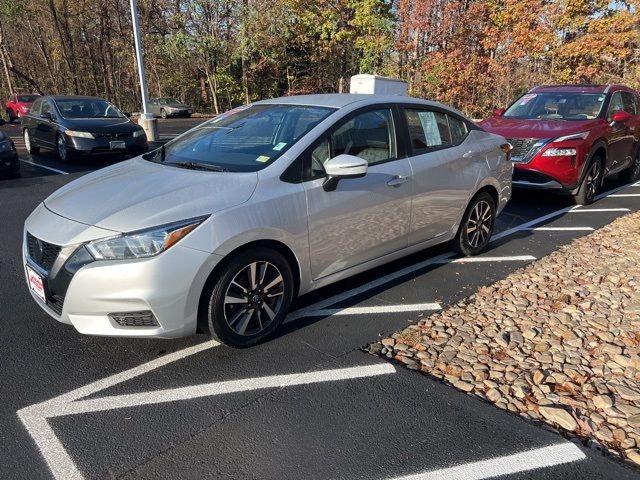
<point x="557" y="105"/>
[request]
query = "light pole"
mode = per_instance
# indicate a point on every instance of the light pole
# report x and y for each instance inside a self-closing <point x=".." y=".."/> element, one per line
<point x="146" y="120"/>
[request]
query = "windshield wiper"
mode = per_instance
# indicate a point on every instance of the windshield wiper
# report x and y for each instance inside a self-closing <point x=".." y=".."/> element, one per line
<point x="198" y="166"/>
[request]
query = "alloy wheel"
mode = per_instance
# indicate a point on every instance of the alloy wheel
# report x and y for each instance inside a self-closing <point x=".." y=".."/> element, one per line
<point x="62" y="149"/>
<point x="254" y="298"/>
<point x="635" y="175"/>
<point x="479" y="224"/>
<point x="593" y="180"/>
<point x="27" y="141"/>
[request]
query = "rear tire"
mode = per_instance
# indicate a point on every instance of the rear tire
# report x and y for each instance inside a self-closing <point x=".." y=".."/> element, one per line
<point x="249" y="298"/>
<point x="632" y="174"/>
<point x="591" y="183"/>
<point x="476" y="227"/>
<point x="28" y="143"/>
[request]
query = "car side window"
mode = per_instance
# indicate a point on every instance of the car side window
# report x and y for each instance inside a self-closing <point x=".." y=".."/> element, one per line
<point x="428" y="130"/>
<point x="35" y="108"/>
<point x="369" y="135"/>
<point x="615" y="105"/>
<point x="458" y="129"/>
<point x="629" y="103"/>
<point x="46" y="107"/>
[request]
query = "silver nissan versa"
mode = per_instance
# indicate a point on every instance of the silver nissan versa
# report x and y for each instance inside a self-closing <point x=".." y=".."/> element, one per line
<point x="218" y="230"/>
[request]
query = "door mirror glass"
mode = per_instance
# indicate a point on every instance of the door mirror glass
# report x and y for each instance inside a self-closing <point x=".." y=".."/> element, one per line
<point x="343" y="166"/>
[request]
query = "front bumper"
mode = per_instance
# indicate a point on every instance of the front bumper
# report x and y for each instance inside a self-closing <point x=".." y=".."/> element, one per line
<point x="178" y="112"/>
<point x="169" y="285"/>
<point x="132" y="146"/>
<point x="9" y="163"/>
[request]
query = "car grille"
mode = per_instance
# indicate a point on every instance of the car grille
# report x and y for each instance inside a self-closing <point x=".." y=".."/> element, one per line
<point x="521" y="148"/>
<point x="42" y="253"/>
<point x="113" y="135"/>
<point x="55" y="303"/>
<point x="530" y="176"/>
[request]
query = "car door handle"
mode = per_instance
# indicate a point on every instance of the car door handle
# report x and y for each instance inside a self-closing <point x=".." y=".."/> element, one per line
<point x="398" y="180"/>
<point x="468" y="154"/>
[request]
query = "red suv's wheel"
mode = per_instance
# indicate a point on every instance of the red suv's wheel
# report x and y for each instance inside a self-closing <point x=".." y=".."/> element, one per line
<point x="590" y="183"/>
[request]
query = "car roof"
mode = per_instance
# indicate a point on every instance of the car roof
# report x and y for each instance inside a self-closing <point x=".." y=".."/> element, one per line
<point x="581" y="88"/>
<point x="73" y="97"/>
<point x="340" y="100"/>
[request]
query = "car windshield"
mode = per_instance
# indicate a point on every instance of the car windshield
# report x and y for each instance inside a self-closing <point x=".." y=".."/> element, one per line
<point x="87" y="108"/>
<point x="245" y="139"/>
<point x="557" y="106"/>
<point x="27" y="98"/>
<point x="168" y="100"/>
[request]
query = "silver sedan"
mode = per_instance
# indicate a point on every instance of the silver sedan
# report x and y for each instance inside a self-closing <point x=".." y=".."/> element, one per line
<point x="219" y="230"/>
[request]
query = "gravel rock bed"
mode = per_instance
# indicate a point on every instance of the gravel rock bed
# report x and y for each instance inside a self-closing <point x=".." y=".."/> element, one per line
<point x="557" y="341"/>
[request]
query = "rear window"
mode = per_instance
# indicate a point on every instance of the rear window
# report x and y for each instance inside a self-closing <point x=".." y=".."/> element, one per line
<point x="27" y="98"/>
<point x="428" y="130"/>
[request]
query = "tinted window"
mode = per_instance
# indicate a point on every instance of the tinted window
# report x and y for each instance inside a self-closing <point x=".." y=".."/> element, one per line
<point x="629" y="102"/>
<point x="87" y="108"/>
<point x="428" y="130"/>
<point x="557" y="105"/>
<point x="244" y="139"/>
<point x="458" y="129"/>
<point x="35" y="108"/>
<point x="615" y="105"/>
<point x="46" y="107"/>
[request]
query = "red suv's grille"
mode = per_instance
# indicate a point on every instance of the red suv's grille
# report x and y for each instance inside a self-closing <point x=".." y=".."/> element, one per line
<point x="521" y="148"/>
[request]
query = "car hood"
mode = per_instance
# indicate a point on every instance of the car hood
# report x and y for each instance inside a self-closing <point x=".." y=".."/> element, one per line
<point x="100" y="124"/>
<point x="519" y="128"/>
<point x="138" y="194"/>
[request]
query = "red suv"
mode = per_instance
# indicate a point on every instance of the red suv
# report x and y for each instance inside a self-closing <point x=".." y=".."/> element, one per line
<point x="570" y="137"/>
<point x="19" y="105"/>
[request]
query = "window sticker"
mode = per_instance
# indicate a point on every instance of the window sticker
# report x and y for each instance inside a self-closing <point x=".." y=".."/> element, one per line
<point x="430" y="127"/>
<point x="262" y="158"/>
<point x="527" y="98"/>
<point x="280" y="146"/>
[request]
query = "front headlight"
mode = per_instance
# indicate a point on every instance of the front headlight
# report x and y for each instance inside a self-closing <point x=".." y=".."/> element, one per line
<point x="138" y="133"/>
<point x="6" y="146"/>
<point x="142" y="244"/>
<point x="559" y="152"/>
<point x="74" y="133"/>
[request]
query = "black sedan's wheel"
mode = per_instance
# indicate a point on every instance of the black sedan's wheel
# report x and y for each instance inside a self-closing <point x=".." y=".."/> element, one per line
<point x="477" y="225"/>
<point x="10" y="116"/>
<point x="28" y="143"/>
<point x="590" y="183"/>
<point x="632" y="174"/>
<point x="251" y="297"/>
<point x="65" y="154"/>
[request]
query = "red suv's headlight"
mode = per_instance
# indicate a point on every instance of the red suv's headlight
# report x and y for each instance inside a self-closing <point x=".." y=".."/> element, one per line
<point x="559" y="152"/>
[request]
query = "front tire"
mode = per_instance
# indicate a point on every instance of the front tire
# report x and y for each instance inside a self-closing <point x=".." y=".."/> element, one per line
<point x="10" y="116"/>
<point x="65" y="154"/>
<point x="250" y="297"/>
<point x="590" y="183"/>
<point x="477" y="225"/>
<point x="28" y="143"/>
<point x="163" y="113"/>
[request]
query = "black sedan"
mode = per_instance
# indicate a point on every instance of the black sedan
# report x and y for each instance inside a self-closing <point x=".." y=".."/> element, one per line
<point x="73" y="125"/>
<point x="9" y="163"/>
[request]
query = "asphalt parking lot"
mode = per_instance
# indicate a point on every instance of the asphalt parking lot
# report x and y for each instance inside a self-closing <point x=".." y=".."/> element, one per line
<point x="309" y="404"/>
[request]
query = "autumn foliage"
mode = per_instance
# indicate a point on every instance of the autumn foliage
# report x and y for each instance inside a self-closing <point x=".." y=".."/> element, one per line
<point x="214" y="54"/>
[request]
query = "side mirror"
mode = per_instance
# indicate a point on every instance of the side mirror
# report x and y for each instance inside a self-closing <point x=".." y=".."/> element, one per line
<point x="621" y="117"/>
<point x="127" y="114"/>
<point x="343" y="166"/>
<point x="46" y="115"/>
<point x="498" y="112"/>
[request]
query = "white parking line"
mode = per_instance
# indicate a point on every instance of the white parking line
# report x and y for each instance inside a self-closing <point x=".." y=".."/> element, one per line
<point x="416" y="307"/>
<point x="623" y="195"/>
<point x="512" y="258"/>
<point x="220" y="388"/>
<point x="561" y="229"/>
<point x="46" y="168"/>
<point x="508" y="465"/>
<point x="595" y="210"/>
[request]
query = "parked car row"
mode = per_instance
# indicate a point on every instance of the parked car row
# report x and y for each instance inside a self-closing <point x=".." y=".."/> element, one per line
<point x="219" y="229"/>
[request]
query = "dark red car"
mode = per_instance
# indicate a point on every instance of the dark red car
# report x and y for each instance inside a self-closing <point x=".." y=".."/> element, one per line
<point x="570" y="137"/>
<point x="19" y="105"/>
